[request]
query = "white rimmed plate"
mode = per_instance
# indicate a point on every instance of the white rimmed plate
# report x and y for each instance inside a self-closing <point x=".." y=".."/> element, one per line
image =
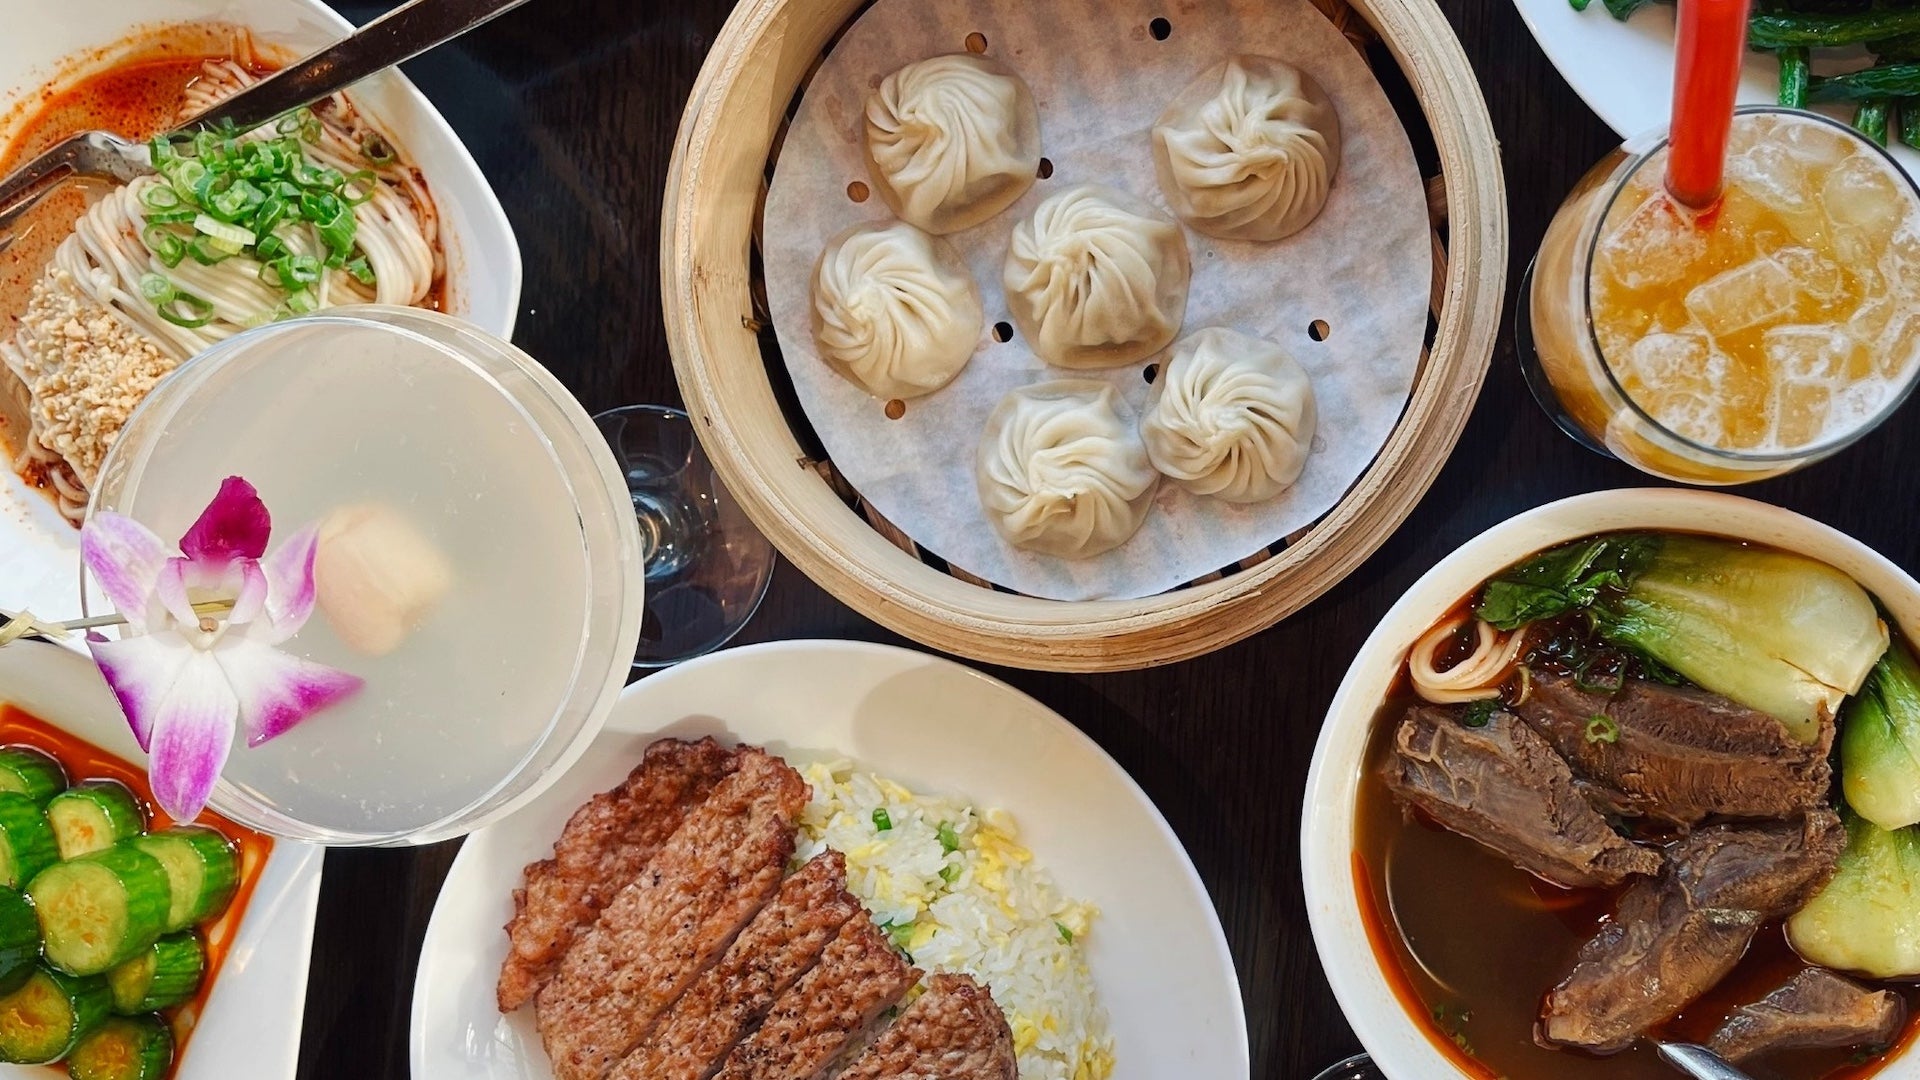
<point x="39" y="551"/>
<point x="251" y="1024"/>
<point x="1398" y="1045"/>
<point x="1158" y="955"/>
<point x="1624" y="70"/>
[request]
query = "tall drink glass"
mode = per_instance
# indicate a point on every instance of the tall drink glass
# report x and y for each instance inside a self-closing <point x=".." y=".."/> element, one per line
<point x="1741" y="343"/>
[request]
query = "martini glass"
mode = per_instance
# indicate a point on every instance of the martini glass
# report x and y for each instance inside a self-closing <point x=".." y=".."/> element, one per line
<point x="707" y="567"/>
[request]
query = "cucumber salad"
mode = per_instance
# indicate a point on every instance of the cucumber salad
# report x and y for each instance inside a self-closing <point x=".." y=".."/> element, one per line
<point x="98" y="921"/>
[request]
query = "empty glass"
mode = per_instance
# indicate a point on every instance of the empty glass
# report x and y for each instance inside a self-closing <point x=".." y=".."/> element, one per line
<point x="707" y="566"/>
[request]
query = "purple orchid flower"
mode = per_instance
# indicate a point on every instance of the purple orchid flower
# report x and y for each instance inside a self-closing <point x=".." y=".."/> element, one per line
<point x="183" y="678"/>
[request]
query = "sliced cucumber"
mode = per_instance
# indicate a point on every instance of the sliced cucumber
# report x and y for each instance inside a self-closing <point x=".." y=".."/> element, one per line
<point x="30" y="772"/>
<point x="165" y="973"/>
<point x="203" y="870"/>
<point x="92" y="815"/>
<point x="19" y="940"/>
<point x="123" y="1048"/>
<point x="100" y="909"/>
<point x="26" y="840"/>
<point x="42" y="1020"/>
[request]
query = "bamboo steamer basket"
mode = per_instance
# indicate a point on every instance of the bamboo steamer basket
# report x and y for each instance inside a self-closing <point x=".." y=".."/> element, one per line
<point x="734" y="381"/>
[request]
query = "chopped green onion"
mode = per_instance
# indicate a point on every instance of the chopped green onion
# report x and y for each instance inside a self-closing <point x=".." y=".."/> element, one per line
<point x="901" y="935"/>
<point x="178" y="308"/>
<point x="1066" y="935"/>
<point x="882" y="820"/>
<point x="206" y="251"/>
<point x="359" y="269"/>
<point x="166" y="247"/>
<point x="949" y="840"/>
<point x="1479" y="714"/>
<point x="160" y="150"/>
<point x="160" y="197"/>
<point x="184" y="174"/>
<point x="376" y="149"/>
<point x="223" y="231"/>
<point x="301" y="301"/>
<point x="269" y="248"/>
<point x="240" y="198"/>
<point x="358" y="187"/>
<point x="171" y="217"/>
<point x="1602" y="729"/>
<point x="949" y="874"/>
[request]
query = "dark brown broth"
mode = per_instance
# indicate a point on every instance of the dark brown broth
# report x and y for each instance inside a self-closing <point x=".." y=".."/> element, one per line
<point x="1477" y="943"/>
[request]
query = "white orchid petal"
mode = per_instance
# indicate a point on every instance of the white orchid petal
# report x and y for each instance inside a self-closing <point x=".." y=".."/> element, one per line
<point x="124" y="558"/>
<point x="141" y="672"/>
<point x="172" y="590"/>
<point x="290" y="586"/>
<point x="277" y="690"/>
<point x="192" y="735"/>
<point x="252" y="599"/>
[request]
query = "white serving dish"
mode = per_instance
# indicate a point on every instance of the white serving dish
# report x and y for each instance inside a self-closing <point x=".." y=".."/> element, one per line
<point x="39" y="550"/>
<point x="1158" y="955"/>
<point x="1397" y="1043"/>
<point x="1624" y="70"/>
<point x="251" y="1024"/>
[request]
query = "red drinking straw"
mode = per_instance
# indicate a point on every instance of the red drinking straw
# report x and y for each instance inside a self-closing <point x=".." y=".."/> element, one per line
<point x="1706" y="73"/>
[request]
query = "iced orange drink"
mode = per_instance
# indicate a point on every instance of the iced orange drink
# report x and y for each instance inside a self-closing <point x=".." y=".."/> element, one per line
<point x="1745" y="341"/>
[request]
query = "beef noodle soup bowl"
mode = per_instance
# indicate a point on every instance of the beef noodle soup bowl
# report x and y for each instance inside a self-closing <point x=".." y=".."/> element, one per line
<point x="1634" y="766"/>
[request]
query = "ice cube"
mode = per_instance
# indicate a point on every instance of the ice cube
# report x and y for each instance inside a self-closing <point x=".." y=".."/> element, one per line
<point x="1825" y="354"/>
<point x="1900" y="263"/>
<point x="1898" y="346"/>
<point x="1668" y="360"/>
<point x="1656" y="245"/>
<point x="1779" y="181"/>
<point x="1860" y="194"/>
<point x="1813" y="144"/>
<point x="1754" y="294"/>
<point x="1800" y="413"/>
<point x="1815" y="274"/>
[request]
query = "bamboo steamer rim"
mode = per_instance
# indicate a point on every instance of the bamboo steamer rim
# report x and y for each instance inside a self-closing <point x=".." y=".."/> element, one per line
<point x="756" y="66"/>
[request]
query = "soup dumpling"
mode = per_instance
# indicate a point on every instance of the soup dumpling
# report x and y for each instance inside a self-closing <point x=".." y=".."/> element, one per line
<point x="1232" y="417"/>
<point x="1248" y="151"/>
<point x="952" y="141"/>
<point x="894" y="309"/>
<point x="1062" y="470"/>
<point x="1096" y="278"/>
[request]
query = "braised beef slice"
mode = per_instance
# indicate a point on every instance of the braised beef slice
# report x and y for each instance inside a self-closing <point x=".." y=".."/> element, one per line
<point x="1681" y="755"/>
<point x="1816" y="1009"/>
<point x="1673" y="937"/>
<point x="1503" y="786"/>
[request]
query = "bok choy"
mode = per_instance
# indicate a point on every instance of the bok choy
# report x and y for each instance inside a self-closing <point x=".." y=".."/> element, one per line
<point x="1778" y="632"/>
<point x="1880" y="743"/>
<point x="1867" y="919"/>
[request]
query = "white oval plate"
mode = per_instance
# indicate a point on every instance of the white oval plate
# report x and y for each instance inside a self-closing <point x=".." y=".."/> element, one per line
<point x="39" y="551"/>
<point x="1157" y="951"/>
<point x="251" y="1026"/>
<point x="1624" y="70"/>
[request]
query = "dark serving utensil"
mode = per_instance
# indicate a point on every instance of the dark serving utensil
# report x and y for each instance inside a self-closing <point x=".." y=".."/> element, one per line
<point x="401" y="34"/>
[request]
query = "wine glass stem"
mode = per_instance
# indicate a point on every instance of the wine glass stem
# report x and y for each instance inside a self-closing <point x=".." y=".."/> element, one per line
<point x="671" y="532"/>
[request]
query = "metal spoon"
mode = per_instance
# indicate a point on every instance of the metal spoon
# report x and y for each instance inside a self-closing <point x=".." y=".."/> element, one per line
<point x="1694" y="1060"/>
<point x="400" y="34"/>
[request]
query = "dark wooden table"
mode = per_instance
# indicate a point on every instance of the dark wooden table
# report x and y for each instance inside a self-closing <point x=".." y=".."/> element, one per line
<point x="571" y="106"/>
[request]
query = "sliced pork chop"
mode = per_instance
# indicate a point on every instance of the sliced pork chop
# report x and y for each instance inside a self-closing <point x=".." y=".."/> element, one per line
<point x="1816" y="1009"/>
<point x="1672" y="938"/>
<point x="604" y="845"/>
<point x="954" y="1031"/>
<point x="1680" y="755"/>
<point x="666" y="926"/>
<point x="768" y="957"/>
<point x="1502" y="785"/>
<point x="859" y="976"/>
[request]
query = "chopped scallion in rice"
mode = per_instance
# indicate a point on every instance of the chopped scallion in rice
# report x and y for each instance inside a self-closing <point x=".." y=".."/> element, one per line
<point x="955" y="889"/>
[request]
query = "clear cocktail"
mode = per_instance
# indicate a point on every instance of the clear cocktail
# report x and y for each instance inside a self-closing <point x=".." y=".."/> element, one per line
<point x="1744" y="342"/>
